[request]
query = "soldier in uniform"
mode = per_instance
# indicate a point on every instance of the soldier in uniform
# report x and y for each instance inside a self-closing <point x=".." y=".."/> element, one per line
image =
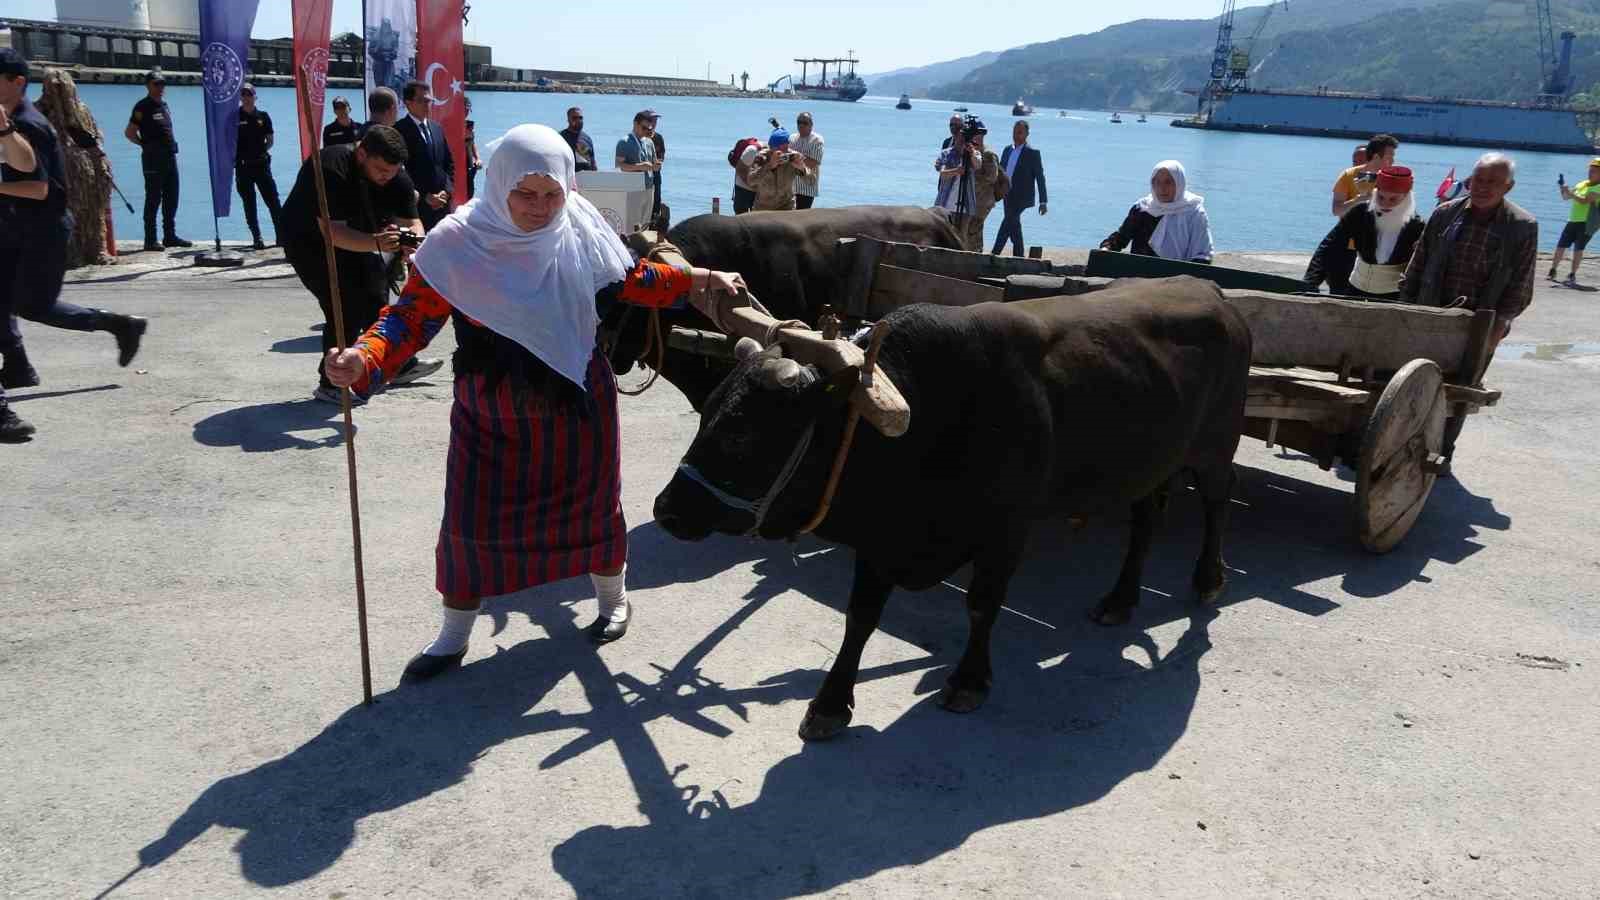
<point x="150" y="127"/>
<point x="252" y="164"/>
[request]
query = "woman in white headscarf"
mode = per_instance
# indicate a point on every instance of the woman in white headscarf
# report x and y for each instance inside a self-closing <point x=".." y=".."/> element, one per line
<point x="1168" y="222"/>
<point x="532" y="483"/>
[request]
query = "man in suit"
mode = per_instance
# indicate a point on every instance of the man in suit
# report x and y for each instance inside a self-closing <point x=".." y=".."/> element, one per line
<point x="1023" y="168"/>
<point x="428" y="162"/>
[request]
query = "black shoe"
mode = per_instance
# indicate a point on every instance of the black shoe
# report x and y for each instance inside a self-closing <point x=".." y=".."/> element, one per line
<point x="604" y="631"/>
<point x="173" y="240"/>
<point x="424" y="666"/>
<point x="128" y="330"/>
<point x="17" y="372"/>
<point x="12" y="429"/>
<point x="153" y="246"/>
<point x="258" y="244"/>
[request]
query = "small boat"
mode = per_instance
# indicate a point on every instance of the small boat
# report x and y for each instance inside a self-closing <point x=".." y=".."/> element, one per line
<point x="960" y="109"/>
<point x="1116" y="118"/>
<point x="1061" y="114"/>
<point x="1142" y="118"/>
<point x="905" y="102"/>
<point x="1021" y="109"/>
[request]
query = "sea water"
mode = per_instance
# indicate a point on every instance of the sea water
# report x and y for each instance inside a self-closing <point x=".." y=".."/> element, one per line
<point x="1262" y="192"/>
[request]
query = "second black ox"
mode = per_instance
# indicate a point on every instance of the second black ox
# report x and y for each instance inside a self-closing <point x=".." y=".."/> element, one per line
<point x="1018" y="411"/>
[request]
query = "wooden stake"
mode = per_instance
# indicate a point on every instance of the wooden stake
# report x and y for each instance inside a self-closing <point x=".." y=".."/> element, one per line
<point x="313" y="129"/>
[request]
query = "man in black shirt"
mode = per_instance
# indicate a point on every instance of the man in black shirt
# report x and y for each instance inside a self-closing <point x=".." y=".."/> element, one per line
<point x="252" y="164"/>
<point x="35" y="226"/>
<point x="151" y="128"/>
<point x="582" y="146"/>
<point x="383" y="108"/>
<point x="370" y="202"/>
<point x="342" y="130"/>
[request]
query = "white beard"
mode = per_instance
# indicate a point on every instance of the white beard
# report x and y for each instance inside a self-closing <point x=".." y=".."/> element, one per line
<point x="1389" y="224"/>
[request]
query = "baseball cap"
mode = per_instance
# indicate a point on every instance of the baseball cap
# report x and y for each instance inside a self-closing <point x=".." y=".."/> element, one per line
<point x="12" y="63"/>
<point x="247" y="88"/>
<point x="155" y="75"/>
<point x="643" y="114"/>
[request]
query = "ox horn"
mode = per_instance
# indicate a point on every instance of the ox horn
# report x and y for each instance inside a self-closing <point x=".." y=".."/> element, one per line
<point x="880" y="402"/>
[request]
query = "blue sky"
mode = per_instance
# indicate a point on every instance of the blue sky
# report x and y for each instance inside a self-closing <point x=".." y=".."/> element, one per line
<point x="731" y="37"/>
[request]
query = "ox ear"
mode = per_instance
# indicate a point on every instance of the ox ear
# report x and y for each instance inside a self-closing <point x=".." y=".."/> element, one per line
<point x="746" y="348"/>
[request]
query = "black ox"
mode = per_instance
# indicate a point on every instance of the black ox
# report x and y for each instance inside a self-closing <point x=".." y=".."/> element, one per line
<point x="1018" y="411"/>
<point x="787" y="259"/>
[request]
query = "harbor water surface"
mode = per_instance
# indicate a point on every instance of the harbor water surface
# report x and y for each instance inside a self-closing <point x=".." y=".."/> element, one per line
<point x="1263" y="192"/>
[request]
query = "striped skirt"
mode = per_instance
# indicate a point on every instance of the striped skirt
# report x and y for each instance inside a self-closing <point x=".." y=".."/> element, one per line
<point x="533" y="491"/>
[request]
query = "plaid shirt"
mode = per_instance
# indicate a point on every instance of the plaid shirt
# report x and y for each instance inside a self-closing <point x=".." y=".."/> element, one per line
<point x="1471" y="254"/>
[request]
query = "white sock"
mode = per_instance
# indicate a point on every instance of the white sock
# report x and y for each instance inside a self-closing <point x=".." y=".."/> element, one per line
<point x="613" y="595"/>
<point x="453" y="632"/>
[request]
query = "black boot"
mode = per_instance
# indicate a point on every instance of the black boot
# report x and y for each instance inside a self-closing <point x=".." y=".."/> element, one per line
<point x="17" y="372"/>
<point x="12" y="429"/>
<point x="151" y="244"/>
<point x="128" y="330"/>
<point x="173" y="240"/>
<point x="258" y="243"/>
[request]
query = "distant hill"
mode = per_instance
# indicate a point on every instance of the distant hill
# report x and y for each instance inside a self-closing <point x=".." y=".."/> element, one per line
<point x="916" y="81"/>
<point x="1484" y="49"/>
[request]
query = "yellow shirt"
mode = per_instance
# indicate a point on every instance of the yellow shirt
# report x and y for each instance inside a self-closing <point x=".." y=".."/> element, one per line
<point x="1352" y="184"/>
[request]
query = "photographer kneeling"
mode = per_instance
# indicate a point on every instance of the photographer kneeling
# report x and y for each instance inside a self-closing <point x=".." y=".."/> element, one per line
<point x="373" y="208"/>
<point x="772" y="173"/>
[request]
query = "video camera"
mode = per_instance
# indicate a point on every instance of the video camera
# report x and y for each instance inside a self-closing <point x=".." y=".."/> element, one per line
<point x="409" y="238"/>
<point x="971" y="127"/>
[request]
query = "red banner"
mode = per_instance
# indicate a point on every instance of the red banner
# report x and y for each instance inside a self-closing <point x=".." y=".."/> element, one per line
<point x="313" y="20"/>
<point x="442" y="66"/>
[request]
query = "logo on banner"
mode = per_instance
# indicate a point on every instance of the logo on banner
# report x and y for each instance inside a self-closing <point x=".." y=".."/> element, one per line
<point x="315" y="67"/>
<point x="455" y="84"/>
<point x="222" y="72"/>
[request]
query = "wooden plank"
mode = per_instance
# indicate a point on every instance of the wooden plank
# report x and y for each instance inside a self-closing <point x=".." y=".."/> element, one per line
<point x="1110" y="264"/>
<point x="858" y="259"/>
<point x="1456" y="393"/>
<point x="1325" y="392"/>
<point x="895" y="287"/>
<point x="1353" y="335"/>
<point x="701" y="343"/>
<point x="953" y="263"/>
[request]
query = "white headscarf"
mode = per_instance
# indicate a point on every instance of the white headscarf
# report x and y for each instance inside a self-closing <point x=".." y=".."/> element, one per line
<point x="537" y="287"/>
<point x="1184" y="231"/>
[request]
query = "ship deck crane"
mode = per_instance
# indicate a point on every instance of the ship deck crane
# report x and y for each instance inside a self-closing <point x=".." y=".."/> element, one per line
<point x="1555" y="63"/>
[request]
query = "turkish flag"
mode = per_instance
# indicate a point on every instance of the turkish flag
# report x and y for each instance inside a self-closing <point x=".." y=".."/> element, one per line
<point x="313" y="20"/>
<point x="442" y="65"/>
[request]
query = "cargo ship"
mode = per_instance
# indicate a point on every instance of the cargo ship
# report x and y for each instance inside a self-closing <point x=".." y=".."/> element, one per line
<point x="1424" y="120"/>
<point x="845" y="85"/>
<point x="1229" y="102"/>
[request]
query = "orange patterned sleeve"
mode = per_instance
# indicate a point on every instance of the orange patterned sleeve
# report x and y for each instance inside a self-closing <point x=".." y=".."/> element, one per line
<point x="401" y="332"/>
<point x="656" y="284"/>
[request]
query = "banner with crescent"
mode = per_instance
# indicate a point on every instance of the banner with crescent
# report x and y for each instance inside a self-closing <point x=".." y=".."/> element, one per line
<point x="442" y="61"/>
<point x="313" y="22"/>
<point x="225" y="38"/>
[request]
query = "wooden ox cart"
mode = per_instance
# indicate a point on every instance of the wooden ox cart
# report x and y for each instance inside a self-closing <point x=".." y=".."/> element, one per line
<point x="1368" y="383"/>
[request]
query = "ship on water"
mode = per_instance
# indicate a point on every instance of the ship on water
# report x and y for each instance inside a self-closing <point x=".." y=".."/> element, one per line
<point x="1547" y="123"/>
<point x="845" y="85"/>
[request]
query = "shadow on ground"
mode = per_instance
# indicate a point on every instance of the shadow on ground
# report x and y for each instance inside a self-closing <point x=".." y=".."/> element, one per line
<point x="269" y="427"/>
<point x="1076" y="708"/>
<point x="308" y="343"/>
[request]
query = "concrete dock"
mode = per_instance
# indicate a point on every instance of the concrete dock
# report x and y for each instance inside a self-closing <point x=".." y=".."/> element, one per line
<point x="180" y="679"/>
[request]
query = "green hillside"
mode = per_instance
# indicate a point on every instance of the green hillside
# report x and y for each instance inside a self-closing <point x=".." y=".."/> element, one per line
<point x="1476" y="49"/>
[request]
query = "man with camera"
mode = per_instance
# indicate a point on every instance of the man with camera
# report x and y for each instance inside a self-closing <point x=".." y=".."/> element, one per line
<point x="772" y="173"/>
<point x="958" y="171"/>
<point x="373" y="208"/>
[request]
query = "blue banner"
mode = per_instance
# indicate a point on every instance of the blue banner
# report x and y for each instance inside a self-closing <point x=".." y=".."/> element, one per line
<point x="225" y="47"/>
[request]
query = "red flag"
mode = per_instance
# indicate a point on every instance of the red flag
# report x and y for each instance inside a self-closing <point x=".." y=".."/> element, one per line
<point x="443" y="68"/>
<point x="1445" y="185"/>
<point x="313" y="20"/>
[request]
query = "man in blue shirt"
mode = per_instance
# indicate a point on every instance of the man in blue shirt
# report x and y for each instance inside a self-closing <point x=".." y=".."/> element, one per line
<point x="637" y="153"/>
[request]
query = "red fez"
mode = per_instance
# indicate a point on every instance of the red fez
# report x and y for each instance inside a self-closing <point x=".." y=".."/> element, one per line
<point x="1395" y="180"/>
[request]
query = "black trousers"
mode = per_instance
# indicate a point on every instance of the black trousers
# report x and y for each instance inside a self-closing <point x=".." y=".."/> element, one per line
<point x="160" y="192"/>
<point x="430" y="216"/>
<point x="1010" y="228"/>
<point x="1337" y="264"/>
<point x="362" y="292"/>
<point x="30" y="287"/>
<point x="801" y="201"/>
<point x="744" y="200"/>
<point x="252" y="177"/>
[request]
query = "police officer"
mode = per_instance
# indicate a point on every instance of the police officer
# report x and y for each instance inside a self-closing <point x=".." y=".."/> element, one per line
<point x="252" y="164"/>
<point x="151" y="128"/>
<point x="342" y="130"/>
<point x="35" y="227"/>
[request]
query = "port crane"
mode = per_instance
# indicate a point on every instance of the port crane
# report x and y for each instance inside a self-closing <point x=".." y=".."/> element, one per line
<point x="1230" y="62"/>
<point x="1555" y="64"/>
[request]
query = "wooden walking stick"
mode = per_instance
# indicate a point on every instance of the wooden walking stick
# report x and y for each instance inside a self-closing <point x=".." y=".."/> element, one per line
<point x="344" y="393"/>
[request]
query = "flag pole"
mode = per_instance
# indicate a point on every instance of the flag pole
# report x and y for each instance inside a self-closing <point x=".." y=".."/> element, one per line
<point x="303" y="91"/>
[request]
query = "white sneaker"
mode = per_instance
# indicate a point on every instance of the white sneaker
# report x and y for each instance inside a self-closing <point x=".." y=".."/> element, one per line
<point x="331" y="395"/>
<point x="422" y="369"/>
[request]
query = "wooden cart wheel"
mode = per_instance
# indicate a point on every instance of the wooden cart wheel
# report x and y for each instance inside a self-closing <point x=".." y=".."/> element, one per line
<point x="1400" y="456"/>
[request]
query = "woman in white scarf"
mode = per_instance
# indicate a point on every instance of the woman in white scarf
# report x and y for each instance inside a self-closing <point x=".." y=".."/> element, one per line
<point x="532" y="483"/>
<point x="1168" y="222"/>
